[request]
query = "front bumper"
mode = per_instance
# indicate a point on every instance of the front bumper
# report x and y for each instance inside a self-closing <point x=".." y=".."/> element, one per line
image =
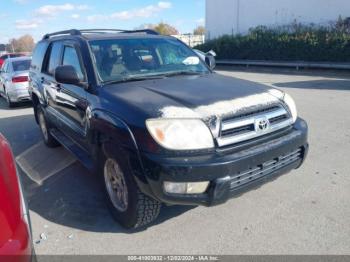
<point x="230" y="174"/>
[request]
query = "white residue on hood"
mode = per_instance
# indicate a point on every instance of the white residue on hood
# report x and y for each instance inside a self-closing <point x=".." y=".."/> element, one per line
<point x="220" y="108"/>
<point x="178" y="112"/>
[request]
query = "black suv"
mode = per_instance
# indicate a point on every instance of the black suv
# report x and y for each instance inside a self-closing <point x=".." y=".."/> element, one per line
<point x="148" y="114"/>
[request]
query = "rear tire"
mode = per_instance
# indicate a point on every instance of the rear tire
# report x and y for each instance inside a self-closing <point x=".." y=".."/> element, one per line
<point x="44" y="125"/>
<point x="128" y="205"/>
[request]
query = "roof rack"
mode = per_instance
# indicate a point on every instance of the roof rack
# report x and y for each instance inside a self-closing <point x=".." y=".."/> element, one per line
<point x="66" y="32"/>
<point x="98" y="31"/>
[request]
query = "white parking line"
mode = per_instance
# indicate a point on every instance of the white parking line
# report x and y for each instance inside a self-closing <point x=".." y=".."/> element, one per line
<point x="40" y="162"/>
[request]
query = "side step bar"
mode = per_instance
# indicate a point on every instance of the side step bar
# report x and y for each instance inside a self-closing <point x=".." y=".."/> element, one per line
<point x="73" y="148"/>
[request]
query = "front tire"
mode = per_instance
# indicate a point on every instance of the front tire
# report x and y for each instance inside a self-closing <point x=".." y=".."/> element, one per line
<point x="127" y="204"/>
<point x="49" y="140"/>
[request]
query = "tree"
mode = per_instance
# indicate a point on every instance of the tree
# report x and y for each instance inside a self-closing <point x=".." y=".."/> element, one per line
<point x="161" y="28"/>
<point x="165" y="29"/>
<point x="200" y="30"/>
<point x="23" y="44"/>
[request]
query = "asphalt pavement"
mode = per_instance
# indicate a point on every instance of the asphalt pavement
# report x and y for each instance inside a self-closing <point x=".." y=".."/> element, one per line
<point x="304" y="212"/>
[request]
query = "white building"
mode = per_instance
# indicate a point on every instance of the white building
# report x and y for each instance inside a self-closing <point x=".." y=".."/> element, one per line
<point x="192" y="40"/>
<point x="238" y="16"/>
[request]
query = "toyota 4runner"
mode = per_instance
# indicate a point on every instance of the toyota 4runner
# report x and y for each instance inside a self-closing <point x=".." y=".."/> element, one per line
<point x="151" y="118"/>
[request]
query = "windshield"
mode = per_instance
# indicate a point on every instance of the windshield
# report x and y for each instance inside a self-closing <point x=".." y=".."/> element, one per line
<point x="122" y="59"/>
<point x="22" y="65"/>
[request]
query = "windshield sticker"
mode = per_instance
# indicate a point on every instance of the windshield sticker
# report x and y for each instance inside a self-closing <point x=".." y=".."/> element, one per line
<point x="192" y="60"/>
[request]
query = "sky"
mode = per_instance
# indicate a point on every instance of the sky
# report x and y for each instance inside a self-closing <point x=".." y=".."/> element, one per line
<point x="38" y="17"/>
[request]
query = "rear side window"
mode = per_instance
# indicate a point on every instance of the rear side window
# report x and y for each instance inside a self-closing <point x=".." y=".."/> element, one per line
<point x="38" y="56"/>
<point x="21" y="65"/>
<point x="54" y="58"/>
<point x="70" y="57"/>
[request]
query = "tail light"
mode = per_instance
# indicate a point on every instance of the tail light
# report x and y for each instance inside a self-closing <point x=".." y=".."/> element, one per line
<point x="19" y="79"/>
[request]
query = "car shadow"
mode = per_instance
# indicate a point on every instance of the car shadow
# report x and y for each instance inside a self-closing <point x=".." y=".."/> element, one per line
<point x="72" y="197"/>
<point x="75" y="198"/>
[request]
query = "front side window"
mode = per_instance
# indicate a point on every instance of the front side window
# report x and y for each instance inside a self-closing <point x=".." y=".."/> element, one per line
<point x="22" y="65"/>
<point x="70" y="57"/>
<point x="121" y="59"/>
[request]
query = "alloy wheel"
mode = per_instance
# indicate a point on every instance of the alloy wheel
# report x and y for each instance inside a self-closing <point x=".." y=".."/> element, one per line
<point x="116" y="185"/>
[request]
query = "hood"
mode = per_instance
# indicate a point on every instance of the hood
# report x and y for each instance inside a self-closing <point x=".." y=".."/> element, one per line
<point x="193" y="96"/>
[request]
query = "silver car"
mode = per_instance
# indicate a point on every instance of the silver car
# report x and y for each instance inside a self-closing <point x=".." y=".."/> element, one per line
<point x="14" y="80"/>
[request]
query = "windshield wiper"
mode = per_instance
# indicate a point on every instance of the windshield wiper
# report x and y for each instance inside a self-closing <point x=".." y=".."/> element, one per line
<point x="188" y="73"/>
<point x="133" y="78"/>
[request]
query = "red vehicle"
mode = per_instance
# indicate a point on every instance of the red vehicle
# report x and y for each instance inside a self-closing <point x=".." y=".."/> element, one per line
<point x="15" y="233"/>
<point x="11" y="55"/>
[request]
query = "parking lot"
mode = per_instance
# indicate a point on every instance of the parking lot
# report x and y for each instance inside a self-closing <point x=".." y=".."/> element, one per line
<point x="304" y="212"/>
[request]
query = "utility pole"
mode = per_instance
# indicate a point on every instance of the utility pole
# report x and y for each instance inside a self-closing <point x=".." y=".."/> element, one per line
<point x="237" y="16"/>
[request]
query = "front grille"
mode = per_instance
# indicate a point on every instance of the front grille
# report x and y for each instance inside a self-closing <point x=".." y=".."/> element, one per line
<point x="255" y="112"/>
<point x="246" y="127"/>
<point x="278" y="119"/>
<point x="265" y="169"/>
<point x="237" y="130"/>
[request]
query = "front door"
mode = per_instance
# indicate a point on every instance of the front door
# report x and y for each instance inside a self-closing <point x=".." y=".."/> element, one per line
<point x="70" y="100"/>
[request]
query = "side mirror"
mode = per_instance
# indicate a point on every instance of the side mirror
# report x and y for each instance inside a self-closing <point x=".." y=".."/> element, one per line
<point x="67" y="74"/>
<point x="208" y="58"/>
<point x="212" y="53"/>
<point x="210" y="61"/>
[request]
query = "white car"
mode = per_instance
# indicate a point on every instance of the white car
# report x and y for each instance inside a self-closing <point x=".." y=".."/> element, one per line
<point x="14" y="80"/>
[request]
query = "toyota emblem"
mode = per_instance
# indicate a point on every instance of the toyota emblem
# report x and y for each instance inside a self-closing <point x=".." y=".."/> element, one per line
<point x="261" y="124"/>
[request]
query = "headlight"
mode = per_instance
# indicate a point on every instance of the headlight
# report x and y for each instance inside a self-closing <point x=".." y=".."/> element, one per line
<point x="180" y="134"/>
<point x="292" y="107"/>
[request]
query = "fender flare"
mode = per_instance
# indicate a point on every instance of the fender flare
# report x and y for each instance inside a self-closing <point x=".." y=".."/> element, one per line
<point x="36" y="93"/>
<point x="112" y="134"/>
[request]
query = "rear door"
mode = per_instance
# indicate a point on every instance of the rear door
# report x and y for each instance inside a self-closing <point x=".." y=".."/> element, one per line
<point x="50" y="87"/>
